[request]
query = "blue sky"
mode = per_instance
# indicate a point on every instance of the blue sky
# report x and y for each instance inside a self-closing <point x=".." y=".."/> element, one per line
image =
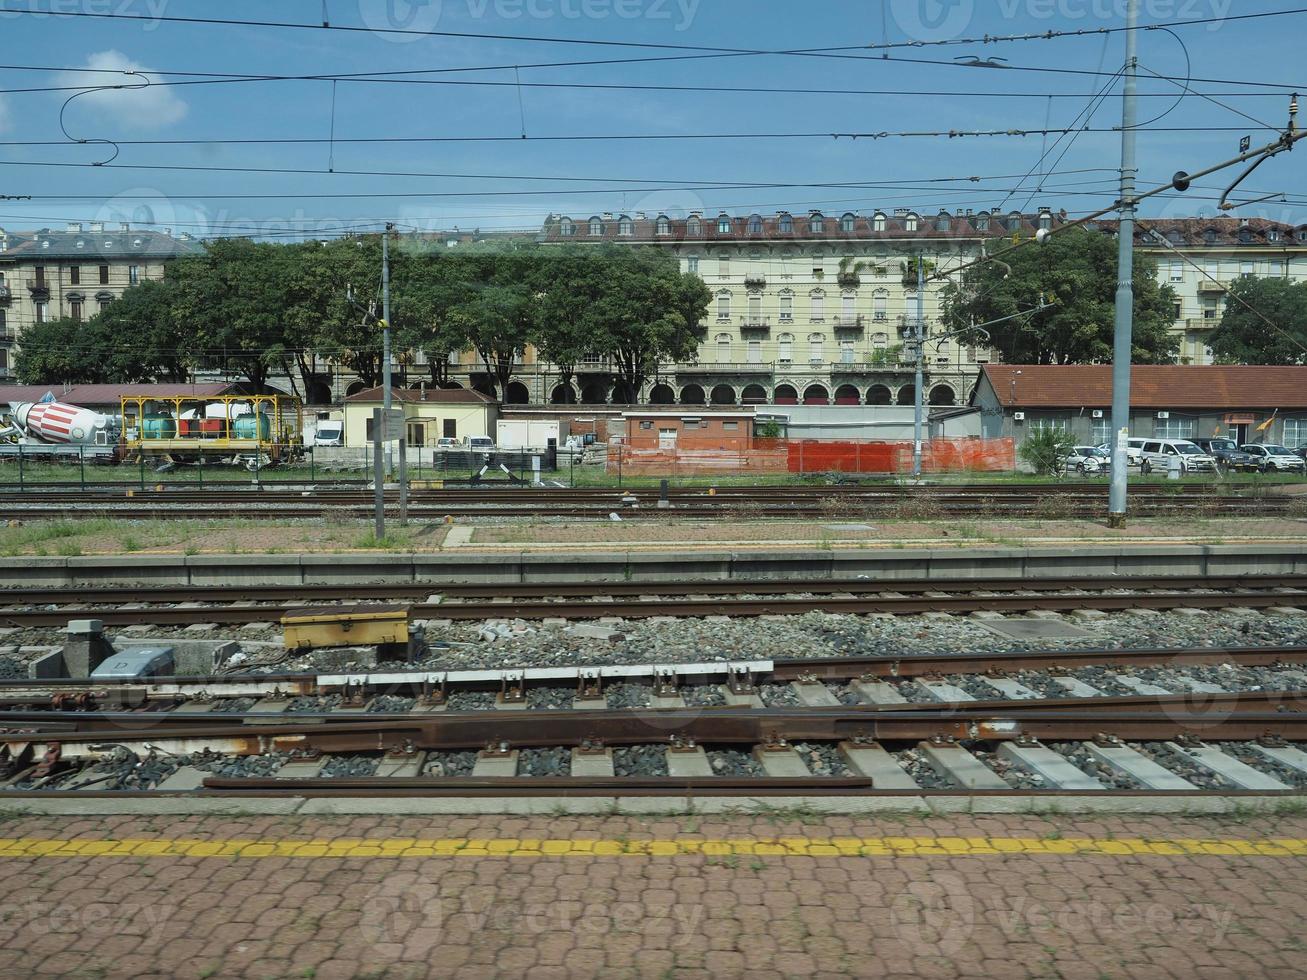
<point x="671" y="175"/>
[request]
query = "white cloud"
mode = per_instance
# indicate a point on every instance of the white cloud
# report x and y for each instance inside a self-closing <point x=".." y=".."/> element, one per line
<point x="138" y="108"/>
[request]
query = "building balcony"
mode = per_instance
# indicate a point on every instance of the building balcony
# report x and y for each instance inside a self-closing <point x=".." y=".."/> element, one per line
<point x="756" y="325"/>
<point x="726" y="367"/>
<point x="1206" y="285"/>
<point x="849" y="324"/>
<point x="1202" y="323"/>
<point x="755" y="282"/>
<point x="39" y="287"/>
<point x="5" y="294"/>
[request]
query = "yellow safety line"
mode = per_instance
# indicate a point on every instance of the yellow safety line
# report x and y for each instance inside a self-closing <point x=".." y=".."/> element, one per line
<point x="31" y="847"/>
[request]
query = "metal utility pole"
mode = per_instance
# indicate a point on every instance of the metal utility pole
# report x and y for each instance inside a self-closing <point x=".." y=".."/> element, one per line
<point x="381" y="420"/>
<point x="1125" y="287"/>
<point x="918" y="401"/>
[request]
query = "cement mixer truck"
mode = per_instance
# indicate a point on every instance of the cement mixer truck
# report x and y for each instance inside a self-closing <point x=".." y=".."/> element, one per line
<point x="56" y="429"/>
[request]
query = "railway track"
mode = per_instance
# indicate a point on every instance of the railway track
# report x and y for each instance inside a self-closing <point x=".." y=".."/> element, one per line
<point x="647" y="600"/>
<point x="821" y="502"/>
<point x="153" y="739"/>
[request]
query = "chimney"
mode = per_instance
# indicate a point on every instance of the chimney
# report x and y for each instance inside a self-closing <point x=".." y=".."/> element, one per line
<point x="74" y="228"/>
<point x="124" y="227"/>
<point x="424" y="391"/>
<point x="97" y="227"/>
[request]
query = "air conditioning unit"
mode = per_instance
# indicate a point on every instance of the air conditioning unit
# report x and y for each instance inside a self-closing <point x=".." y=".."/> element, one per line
<point x="1098" y="413"/>
<point x="1163" y="415"/>
<point x="1018" y="416"/>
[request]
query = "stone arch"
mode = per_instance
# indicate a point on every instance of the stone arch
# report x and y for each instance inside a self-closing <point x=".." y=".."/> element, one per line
<point x="517" y="394"/>
<point x="754" y="395"/>
<point x="786" y="394"/>
<point x="594" y="392"/>
<point x="622" y="394"/>
<point x="723" y="395"/>
<point x="880" y="395"/>
<point x="318" y="393"/>
<point x="487" y="389"/>
<point x="563" y="395"/>
<point x="693" y="395"/>
<point x="816" y="395"/>
<point x="943" y="395"/>
<point x="354" y="388"/>
<point x="662" y="394"/>
<point x="847" y="395"/>
<point x="448" y="385"/>
<point x="907" y="394"/>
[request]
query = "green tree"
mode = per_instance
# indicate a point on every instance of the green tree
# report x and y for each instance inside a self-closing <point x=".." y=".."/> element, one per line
<point x="1046" y="450"/>
<point x="58" y="352"/>
<point x="1077" y="272"/>
<point x="141" y="336"/>
<point x="1243" y="337"/>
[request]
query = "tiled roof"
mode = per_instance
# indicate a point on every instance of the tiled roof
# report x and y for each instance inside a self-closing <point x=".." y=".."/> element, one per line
<point x="1151" y="386"/>
<point x="111" y="243"/>
<point x="1215" y="231"/>
<point x="110" y="394"/>
<point x="761" y="228"/>
<point x="434" y="396"/>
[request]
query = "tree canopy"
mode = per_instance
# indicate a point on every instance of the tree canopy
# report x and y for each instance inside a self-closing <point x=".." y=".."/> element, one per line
<point x="1244" y="337"/>
<point x="257" y="308"/>
<point x="1077" y="272"/>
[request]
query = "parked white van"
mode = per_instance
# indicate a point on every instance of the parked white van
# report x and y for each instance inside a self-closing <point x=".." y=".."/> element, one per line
<point x="1158" y="454"/>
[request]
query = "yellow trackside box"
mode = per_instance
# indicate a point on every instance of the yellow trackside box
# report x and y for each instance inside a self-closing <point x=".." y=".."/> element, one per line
<point x="344" y="626"/>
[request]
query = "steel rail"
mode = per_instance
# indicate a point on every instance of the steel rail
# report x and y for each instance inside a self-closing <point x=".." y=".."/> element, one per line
<point x="640" y="609"/>
<point x="110" y="595"/>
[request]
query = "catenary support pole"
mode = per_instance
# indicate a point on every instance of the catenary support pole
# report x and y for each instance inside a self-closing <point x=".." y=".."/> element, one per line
<point x="385" y="328"/>
<point x="1125" y="290"/>
<point x="378" y="474"/>
<point x="918" y="399"/>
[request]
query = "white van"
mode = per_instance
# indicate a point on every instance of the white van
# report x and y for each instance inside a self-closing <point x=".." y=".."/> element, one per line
<point x="329" y="433"/>
<point x="1158" y="454"/>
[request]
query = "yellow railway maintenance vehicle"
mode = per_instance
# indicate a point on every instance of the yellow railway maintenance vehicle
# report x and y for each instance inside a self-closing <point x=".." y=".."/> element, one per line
<point x="266" y="428"/>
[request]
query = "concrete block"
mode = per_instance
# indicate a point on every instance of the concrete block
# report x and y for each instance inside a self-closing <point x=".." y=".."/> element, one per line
<point x="185" y="778"/>
<point x="814" y="695"/>
<point x="496" y="765"/>
<point x="945" y="693"/>
<point x="589" y="632"/>
<point x="1228" y="767"/>
<point x="1140" y="687"/>
<point x="1190" y="613"/>
<point x="1286" y="755"/>
<point x="200" y="628"/>
<point x="1043" y="614"/>
<point x="1242" y="611"/>
<point x="957" y="764"/>
<point x="1135" y="765"/>
<point x="877" y="765"/>
<point x="781" y="762"/>
<point x="301" y="768"/>
<point x="986" y="615"/>
<point x="1056" y="770"/>
<point x="402" y="767"/>
<point x="47" y="666"/>
<point x="666" y="702"/>
<point x="734" y="700"/>
<point x="1286" y="611"/>
<point x="1076" y="688"/>
<point x="1088" y="615"/>
<point x="878" y="692"/>
<point x="591" y="764"/>
<point x="688" y="764"/>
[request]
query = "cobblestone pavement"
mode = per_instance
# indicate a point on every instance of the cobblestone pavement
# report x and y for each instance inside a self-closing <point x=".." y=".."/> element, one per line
<point x="756" y="896"/>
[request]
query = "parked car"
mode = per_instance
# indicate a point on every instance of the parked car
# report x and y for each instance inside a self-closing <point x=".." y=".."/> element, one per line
<point x="1134" y="452"/>
<point x="1228" y="454"/>
<point x="482" y="444"/>
<point x="1087" y="460"/>
<point x="445" y="443"/>
<point x="1158" y="454"/>
<point x="1275" y="459"/>
<point x="1301" y="452"/>
<point x="329" y="433"/>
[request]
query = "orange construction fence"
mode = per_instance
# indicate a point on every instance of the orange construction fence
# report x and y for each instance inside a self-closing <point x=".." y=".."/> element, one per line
<point x="816" y="456"/>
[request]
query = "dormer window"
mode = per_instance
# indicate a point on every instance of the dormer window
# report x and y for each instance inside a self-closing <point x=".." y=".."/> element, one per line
<point x="723" y="225"/>
<point x="755" y="225"/>
<point x="1273" y="235"/>
<point x="910" y="224"/>
<point x="1014" y="221"/>
<point x="694" y="226"/>
<point x="982" y="222"/>
<point x="878" y="222"/>
<point x="664" y="225"/>
<point x="847" y="223"/>
<point x="567" y="228"/>
<point x="1046" y="221"/>
<point x="1245" y="235"/>
<point x="817" y="225"/>
<point x="596" y="228"/>
<point x="1209" y="236"/>
<point x="786" y="224"/>
<point x="625" y="226"/>
<point x="942" y="223"/>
